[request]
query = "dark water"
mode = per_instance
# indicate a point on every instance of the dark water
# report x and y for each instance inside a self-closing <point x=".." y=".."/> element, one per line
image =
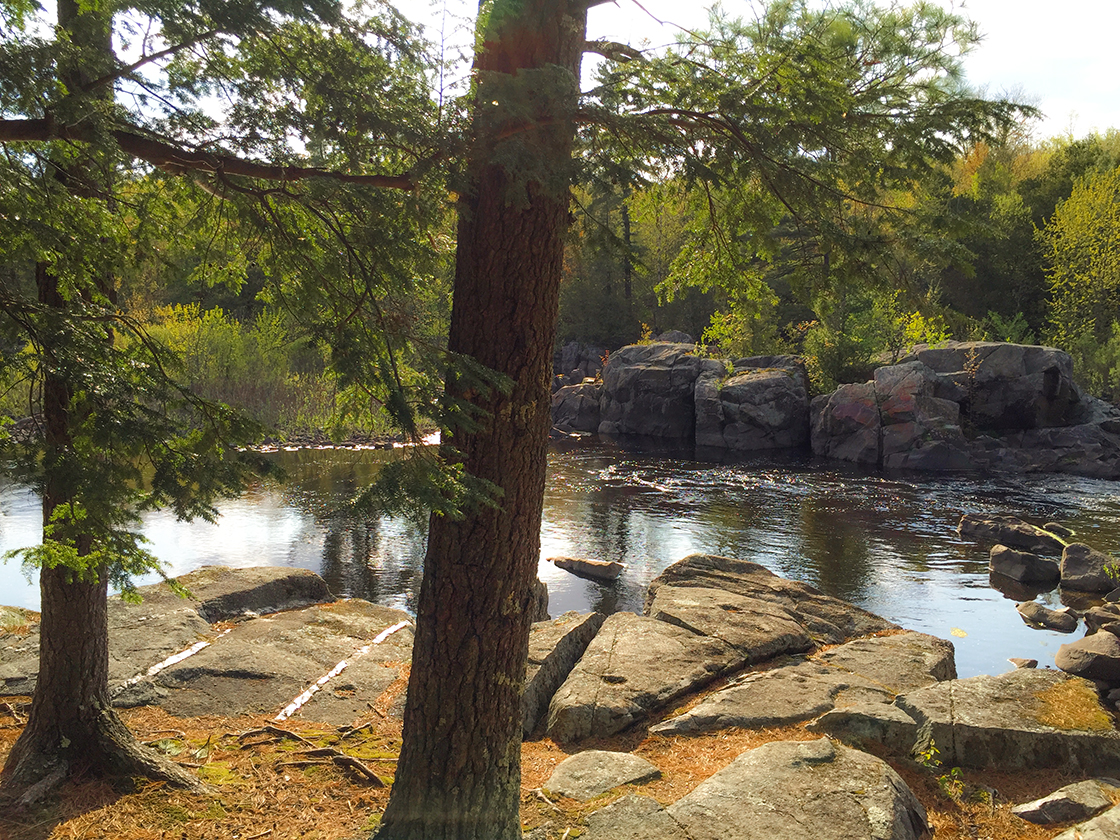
<point x="887" y="543"/>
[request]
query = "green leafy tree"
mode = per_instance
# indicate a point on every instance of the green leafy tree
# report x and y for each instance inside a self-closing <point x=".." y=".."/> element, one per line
<point x="116" y="429"/>
<point x="1081" y="244"/>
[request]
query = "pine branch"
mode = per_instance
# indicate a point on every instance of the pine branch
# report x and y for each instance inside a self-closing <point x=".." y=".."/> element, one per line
<point x="176" y="160"/>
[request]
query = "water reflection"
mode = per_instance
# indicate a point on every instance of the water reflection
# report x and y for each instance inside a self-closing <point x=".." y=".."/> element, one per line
<point x="887" y="543"/>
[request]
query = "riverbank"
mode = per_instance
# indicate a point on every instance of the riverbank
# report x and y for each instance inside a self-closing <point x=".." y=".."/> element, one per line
<point x="263" y="795"/>
<point x="727" y="663"/>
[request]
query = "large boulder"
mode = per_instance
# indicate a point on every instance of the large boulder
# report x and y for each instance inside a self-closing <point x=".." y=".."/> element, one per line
<point x="1010" y="531"/>
<point x="920" y="428"/>
<point x="1095" y="657"/>
<point x="1008" y="386"/>
<point x="845" y="425"/>
<point x="1037" y="615"/>
<point x="575" y="408"/>
<point x="802" y="789"/>
<point x="648" y="390"/>
<point x="756" y="407"/>
<point x="1023" y="566"/>
<point x="1088" y="570"/>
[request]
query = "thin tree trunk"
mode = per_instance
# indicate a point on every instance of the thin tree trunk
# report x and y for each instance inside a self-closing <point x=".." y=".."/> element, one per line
<point x="459" y="773"/>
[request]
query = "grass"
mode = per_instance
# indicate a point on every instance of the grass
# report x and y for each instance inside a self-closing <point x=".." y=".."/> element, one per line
<point x="268" y="788"/>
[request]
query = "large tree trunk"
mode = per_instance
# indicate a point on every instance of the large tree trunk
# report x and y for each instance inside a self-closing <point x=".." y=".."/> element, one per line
<point x="459" y="771"/>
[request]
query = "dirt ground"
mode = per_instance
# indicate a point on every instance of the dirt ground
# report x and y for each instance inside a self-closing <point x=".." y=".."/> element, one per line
<point x="316" y="782"/>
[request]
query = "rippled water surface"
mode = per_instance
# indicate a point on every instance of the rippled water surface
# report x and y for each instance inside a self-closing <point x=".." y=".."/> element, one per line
<point x="887" y="543"/>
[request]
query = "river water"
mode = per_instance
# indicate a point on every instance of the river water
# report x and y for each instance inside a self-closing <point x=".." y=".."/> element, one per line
<point x="885" y="542"/>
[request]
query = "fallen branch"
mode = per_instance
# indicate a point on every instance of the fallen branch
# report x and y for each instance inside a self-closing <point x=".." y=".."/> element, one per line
<point x="540" y="795"/>
<point x="277" y="734"/>
<point x="340" y="759"/>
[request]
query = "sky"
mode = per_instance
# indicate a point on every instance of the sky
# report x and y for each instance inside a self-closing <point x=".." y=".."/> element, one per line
<point x="1060" y="56"/>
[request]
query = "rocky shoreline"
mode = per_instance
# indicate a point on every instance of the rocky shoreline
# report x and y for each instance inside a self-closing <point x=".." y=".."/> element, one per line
<point x="275" y="641"/>
<point x="958" y="406"/>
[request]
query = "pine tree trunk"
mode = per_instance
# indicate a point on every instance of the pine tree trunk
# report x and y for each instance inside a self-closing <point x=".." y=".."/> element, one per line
<point x="459" y="773"/>
<point x="72" y="728"/>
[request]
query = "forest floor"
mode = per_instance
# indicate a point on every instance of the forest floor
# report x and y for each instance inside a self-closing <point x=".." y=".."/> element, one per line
<point x="273" y="783"/>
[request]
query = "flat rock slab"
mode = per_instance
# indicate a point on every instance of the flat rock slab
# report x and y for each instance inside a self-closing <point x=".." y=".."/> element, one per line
<point x="862" y="671"/>
<point x="163" y="624"/>
<point x="264" y="664"/>
<point x="634" y="665"/>
<point x="1079" y="801"/>
<point x="587" y="774"/>
<point x="218" y="593"/>
<point x="633" y="817"/>
<point x="1024" y="719"/>
<point x="758" y="629"/>
<point x="828" y="620"/>
<point x="554" y="649"/>
<point x="773" y="698"/>
<point x="898" y="663"/>
<point x="782" y="789"/>
<point x="705" y="616"/>
<point x="1105" y="826"/>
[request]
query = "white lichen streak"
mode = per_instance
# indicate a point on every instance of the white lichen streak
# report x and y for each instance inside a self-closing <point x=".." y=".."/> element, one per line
<point x="174" y="659"/>
<point x="296" y="704"/>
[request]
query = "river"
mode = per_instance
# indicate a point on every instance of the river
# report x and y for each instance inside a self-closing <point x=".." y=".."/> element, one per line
<point x="887" y="543"/>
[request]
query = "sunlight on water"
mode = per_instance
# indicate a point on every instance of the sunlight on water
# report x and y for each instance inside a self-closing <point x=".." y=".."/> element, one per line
<point x="886" y="543"/>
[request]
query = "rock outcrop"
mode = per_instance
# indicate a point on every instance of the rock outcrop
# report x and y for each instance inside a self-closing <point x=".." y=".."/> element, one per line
<point x="648" y="390"/>
<point x="575" y="408"/>
<point x="1024" y="719"/>
<point x="704" y="616"/>
<point x="762" y="404"/>
<point x="958" y="406"/>
<point x="1018" y="403"/>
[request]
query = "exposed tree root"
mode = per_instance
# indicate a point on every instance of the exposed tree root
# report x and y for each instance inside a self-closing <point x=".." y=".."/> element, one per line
<point x="40" y="762"/>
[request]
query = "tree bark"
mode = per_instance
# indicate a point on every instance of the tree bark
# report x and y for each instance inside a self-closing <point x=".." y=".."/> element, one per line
<point x="459" y="770"/>
<point x="72" y="727"/>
